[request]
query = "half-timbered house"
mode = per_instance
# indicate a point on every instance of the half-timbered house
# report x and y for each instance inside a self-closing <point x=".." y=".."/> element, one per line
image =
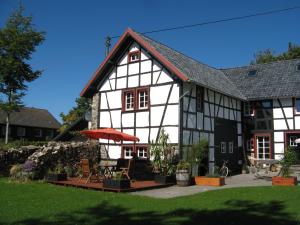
<point x="143" y="86"/>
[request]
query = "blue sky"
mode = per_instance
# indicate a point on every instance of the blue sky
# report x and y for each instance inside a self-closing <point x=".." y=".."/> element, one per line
<point x="74" y="45"/>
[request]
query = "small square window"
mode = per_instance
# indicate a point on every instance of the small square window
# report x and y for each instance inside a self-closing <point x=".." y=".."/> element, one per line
<point x="142" y="152"/>
<point x="128" y="151"/>
<point x="134" y="56"/>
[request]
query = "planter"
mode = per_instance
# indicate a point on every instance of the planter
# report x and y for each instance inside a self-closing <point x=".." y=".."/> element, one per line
<point x="284" y="181"/>
<point x="210" y="181"/>
<point x="162" y="179"/>
<point x="183" y="178"/>
<point x="56" y="177"/>
<point x="116" y="184"/>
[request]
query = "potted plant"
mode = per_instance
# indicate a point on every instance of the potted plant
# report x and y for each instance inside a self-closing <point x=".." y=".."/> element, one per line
<point x="183" y="176"/>
<point x="198" y="158"/>
<point x="116" y="182"/>
<point x="163" y="158"/>
<point x="58" y="174"/>
<point x="284" y="178"/>
<point x="211" y="179"/>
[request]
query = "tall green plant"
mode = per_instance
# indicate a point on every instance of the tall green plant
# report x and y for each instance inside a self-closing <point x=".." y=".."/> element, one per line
<point x="163" y="154"/>
<point x="18" y="40"/>
<point x="290" y="158"/>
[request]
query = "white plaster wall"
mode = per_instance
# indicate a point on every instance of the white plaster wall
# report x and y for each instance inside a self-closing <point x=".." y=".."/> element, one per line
<point x="159" y="94"/>
<point x="142" y="119"/>
<point x="121" y="83"/>
<point x="146" y="66"/>
<point x="116" y="118"/>
<point x="280" y="125"/>
<point x="278" y="137"/>
<point x="171" y="116"/>
<point x="104" y="119"/>
<point x="133" y="68"/>
<point x="121" y="71"/>
<point x="133" y="81"/>
<point x="156" y="115"/>
<point x="279" y="148"/>
<point x="145" y="79"/>
<point x="297" y="122"/>
<point x="114" y="99"/>
<point x="128" y="119"/>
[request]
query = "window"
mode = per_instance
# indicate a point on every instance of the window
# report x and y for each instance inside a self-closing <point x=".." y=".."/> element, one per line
<point x="49" y="134"/>
<point x="142" y="152"/>
<point x="20" y="131"/>
<point x="250" y="145"/>
<point x="223" y="147"/>
<point x="199" y="98"/>
<point x="230" y="147"/>
<point x="266" y="104"/>
<point x="252" y="73"/>
<point x="143" y="99"/>
<point x="248" y="109"/>
<point x="37" y="132"/>
<point x="136" y="99"/>
<point x="297" y="105"/>
<point x="263" y="150"/>
<point x="128" y="151"/>
<point x="298" y="67"/>
<point x="292" y="141"/>
<point x="129" y="100"/>
<point x="134" y="56"/>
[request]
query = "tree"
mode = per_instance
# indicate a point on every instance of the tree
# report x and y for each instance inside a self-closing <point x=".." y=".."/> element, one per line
<point x="18" y="40"/>
<point x="83" y="105"/>
<point x="267" y="56"/>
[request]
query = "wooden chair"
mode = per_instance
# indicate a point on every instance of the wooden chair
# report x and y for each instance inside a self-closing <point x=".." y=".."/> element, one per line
<point x="88" y="173"/>
<point x="126" y="171"/>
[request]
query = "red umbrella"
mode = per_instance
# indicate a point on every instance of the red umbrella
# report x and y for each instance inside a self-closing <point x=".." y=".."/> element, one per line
<point x="109" y="134"/>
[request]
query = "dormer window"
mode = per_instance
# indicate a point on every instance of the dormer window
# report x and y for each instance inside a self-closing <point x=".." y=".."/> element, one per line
<point x="134" y="56"/>
<point x="252" y="73"/>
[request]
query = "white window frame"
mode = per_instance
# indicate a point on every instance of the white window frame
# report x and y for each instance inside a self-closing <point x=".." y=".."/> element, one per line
<point x="40" y="132"/>
<point x="292" y="141"/>
<point x="21" y="131"/>
<point x="264" y="148"/>
<point x="223" y="147"/>
<point x="144" y="151"/>
<point x="131" y="102"/>
<point x="134" y="56"/>
<point x="128" y="151"/>
<point x="143" y="99"/>
<point x="230" y="147"/>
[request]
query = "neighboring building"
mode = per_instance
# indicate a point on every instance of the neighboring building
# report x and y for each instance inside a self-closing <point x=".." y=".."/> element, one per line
<point x="30" y="124"/>
<point x="143" y="86"/>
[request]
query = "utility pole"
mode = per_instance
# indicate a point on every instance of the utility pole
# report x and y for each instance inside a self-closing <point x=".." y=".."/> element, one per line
<point x="107" y="45"/>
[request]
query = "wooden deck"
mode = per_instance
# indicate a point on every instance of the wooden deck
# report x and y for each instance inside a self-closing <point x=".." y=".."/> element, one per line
<point x="135" y="185"/>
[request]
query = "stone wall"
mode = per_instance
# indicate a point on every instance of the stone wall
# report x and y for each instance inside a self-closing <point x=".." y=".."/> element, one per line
<point x="48" y="156"/>
<point x="95" y="111"/>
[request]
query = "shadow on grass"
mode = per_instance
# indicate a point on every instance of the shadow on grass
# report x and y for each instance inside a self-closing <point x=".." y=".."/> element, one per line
<point x="236" y="212"/>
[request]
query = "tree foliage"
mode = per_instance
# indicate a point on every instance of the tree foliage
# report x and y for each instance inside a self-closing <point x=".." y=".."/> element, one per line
<point x="18" y="40"/>
<point x="83" y="105"/>
<point x="267" y="56"/>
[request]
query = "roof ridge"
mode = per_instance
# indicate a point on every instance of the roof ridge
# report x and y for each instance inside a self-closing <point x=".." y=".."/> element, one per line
<point x="261" y="64"/>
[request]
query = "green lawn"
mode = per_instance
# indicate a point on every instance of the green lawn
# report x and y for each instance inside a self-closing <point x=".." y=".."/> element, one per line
<point x="40" y="203"/>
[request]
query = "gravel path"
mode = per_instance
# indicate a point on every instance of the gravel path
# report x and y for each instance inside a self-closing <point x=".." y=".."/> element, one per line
<point x="242" y="180"/>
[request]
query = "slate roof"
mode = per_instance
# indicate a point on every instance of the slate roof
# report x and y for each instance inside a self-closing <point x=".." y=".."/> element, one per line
<point x="196" y="71"/>
<point x="31" y="117"/>
<point x="272" y="80"/>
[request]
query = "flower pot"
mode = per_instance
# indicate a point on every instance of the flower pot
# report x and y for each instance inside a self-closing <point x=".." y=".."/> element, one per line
<point x="116" y="184"/>
<point x="162" y="179"/>
<point x="209" y="181"/>
<point x="56" y="177"/>
<point x="183" y="178"/>
<point x="284" y="181"/>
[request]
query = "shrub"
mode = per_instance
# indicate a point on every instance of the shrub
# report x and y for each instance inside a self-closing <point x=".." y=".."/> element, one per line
<point x="183" y="165"/>
<point x="290" y="158"/>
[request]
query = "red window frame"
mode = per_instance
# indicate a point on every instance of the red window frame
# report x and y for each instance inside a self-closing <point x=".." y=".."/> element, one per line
<point x="124" y="100"/>
<point x="134" y="150"/>
<point x="137" y="52"/>
<point x="286" y="140"/>
<point x="255" y="143"/>
<point x="138" y="98"/>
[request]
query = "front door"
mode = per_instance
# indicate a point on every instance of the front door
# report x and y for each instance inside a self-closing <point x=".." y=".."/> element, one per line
<point x="263" y="146"/>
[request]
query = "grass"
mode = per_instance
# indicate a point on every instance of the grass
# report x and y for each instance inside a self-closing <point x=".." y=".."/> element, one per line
<point x="41" y="203"/>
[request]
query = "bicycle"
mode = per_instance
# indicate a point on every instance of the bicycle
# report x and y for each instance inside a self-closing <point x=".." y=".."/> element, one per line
<point x="224" y="169"/>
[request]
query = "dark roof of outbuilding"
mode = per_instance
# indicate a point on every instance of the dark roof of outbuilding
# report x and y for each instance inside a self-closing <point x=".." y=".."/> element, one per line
<point x="31" y="117"/>
<point x="197" y="72"/>
<point x="272" y="80"/>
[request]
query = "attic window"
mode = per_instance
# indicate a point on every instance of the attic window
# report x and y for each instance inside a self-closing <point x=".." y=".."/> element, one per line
<point x="252" y="73"/>
<point x="134" y="56"/>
